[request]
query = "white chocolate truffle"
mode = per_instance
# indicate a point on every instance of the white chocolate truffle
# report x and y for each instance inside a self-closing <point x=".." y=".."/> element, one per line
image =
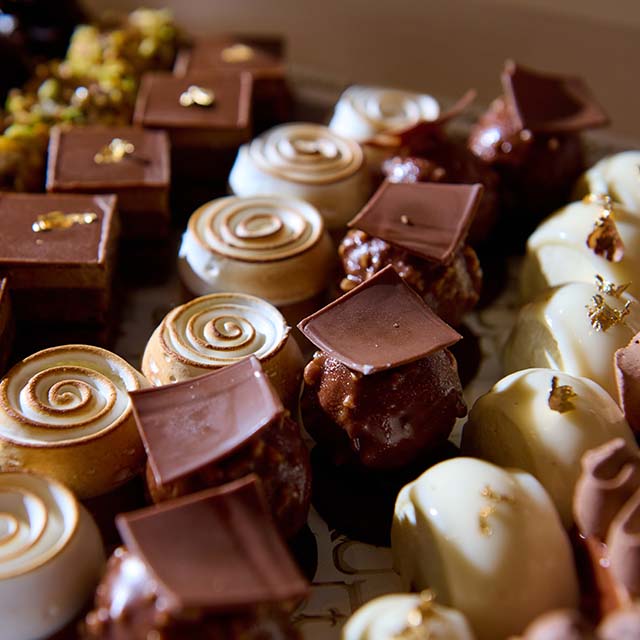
<point x="51" y="556"/>
<point x="307" y="162"/>
<point x="555" y="331"/>
<point x="363" y="112"/>
<point x="557" y="252"/>
<point x="616" y="176"/>
<point x="385" y="618"/>
<point x="487" y="541"/>
<point x="520" y="423"/>
<point x="272" y="247"/>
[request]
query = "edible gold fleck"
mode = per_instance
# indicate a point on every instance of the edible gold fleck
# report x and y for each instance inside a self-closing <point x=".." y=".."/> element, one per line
<point x="483" y="520"/>
<point x="237" y="53"/>
<point x="196" y="95"/>
<point x="61" y="220"/>
<point x="603" y="316"/>
<point x="417" y="619"/>
<point x="486" y="512"/>
<point x="114" y="152"/>
<point x="560" y="397"/>
<point x="609" y="288"/>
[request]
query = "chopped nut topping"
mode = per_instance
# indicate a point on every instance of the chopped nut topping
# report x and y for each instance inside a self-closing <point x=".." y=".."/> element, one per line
<point x="61" y="220"/>
<point x="560" y="397"/>
<point x="603" y="316"/>
<point x="609" y="288"/>
<point x="196" y="95"/>
<point x="115" y="151"/>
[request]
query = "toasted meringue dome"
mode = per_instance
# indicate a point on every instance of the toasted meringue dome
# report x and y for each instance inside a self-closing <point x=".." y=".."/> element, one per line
<point x="555" y="331"/>
<point x="514" y="425"/>
<point x="51" y="556"/>
<point x="486" y="541"/>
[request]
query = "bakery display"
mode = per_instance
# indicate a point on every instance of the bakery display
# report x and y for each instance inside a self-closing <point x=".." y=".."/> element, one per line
<point x="542" y="421"/>
<point x="382" y="389"/>
<point x="66" y="412"/>
<point x="593" y="236"/>
<point x="219" y="427"/>
<point x="213" y="331"/>
<point x="7" y="327"/>
<point x="51" y="556"/>
<point x="421" y="230"/>
<point x="132" y="163"/>
<point x="272" y="247"/>
<point x="308" y="162"/>
<point x="487" y="541"/>
<point x="575" y="328"/>
<point x="210" y="565"/>
<point x="406" y="616"/>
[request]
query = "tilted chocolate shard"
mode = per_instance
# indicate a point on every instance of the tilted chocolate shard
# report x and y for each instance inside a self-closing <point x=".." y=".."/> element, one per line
<point x="623" y="543"/>
<point x="428" y="220"/>
<point x="380" y="324"/>
<point x="627" y="361"/>
<point x="188" y="425"/>
<point x="550" y="103"/>
<point x="218" y="550"/>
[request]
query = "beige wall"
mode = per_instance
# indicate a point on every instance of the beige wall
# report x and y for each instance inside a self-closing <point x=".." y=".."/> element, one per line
<point x="442" y="46"/>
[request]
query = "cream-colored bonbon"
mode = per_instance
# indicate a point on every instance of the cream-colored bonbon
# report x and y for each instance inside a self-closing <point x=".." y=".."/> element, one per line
<point x="414" y="615"/>
<point x="557" y="252"/>
<point x="487" y="541"/>
<point x="363" y="112"/>
<point x="51" y="556"/>
<point x="268" y="246"/>
<point x="66" y="412"/>
<point x="213" y="331"/>
<point x="543" y="421"/>
<point x="617" y="176"/>
<point x="307" y="162"/>
<point x="575" y="328"/>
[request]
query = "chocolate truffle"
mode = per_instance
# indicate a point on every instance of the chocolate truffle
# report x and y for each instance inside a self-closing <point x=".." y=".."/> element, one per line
<point x="531" y="136"/>
<point x="627" y="364"/>
<point x="221" y="426"/>
<point x="211" y="565"/>
<point x="131" y="162"/>
<point x="51" y="556"/>
<point x="421" y="230"/>
<point x="66" y="412"/>
<point x="59" y="252"/>
<point x="6" y="325"/>
<point x="383" y="389"/>
<point x="207" y="116"/>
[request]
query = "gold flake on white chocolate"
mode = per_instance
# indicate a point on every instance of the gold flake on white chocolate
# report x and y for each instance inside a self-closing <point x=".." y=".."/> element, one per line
<point x="543" y="421"/>
<point x="499" y="581"/>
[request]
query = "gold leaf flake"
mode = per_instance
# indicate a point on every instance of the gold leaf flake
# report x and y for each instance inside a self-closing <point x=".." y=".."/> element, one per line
<point x="61" y="220"/>
<point x="609" y="288"/>
<point x="560" y="397"/>
<point x="417" y="618"/>
<point x="114" y="152"/>
<point x="603" y="316"/>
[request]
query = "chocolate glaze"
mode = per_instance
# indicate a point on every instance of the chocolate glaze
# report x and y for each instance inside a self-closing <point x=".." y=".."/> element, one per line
<point x="384" y="420"/>
<point x="627" y="362"/>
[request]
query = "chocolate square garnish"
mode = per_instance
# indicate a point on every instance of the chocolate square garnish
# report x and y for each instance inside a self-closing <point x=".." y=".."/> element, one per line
<point x="427" y="219"/>
<point x="380" y="324"/>
<point x="188" y="425"/>
<point x="551" y="103"/>
<point x="218" y="549"/>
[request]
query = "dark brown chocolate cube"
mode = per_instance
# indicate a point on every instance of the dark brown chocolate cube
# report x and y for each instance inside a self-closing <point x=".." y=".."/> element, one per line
<point x="6" y="325"/>
<point x="62" y="275"/>
<point x="205" y="134"/>
<point x="93" y="160"/>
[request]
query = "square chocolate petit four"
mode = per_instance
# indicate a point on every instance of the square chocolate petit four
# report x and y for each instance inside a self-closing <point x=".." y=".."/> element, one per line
<point x="131" y="162"/>
<point x="59" y="254"/>
<point x="207" y="116"/>
<point x="6" y="325"/>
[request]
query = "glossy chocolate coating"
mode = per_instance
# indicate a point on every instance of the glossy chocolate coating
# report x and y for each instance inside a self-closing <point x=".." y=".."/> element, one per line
<point x="451" y="290"/>
<point x="383" y="420"/>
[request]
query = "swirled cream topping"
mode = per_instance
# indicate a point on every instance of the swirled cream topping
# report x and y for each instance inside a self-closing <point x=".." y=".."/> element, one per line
<point x="222" y="328"/>
<point x="257" y="229"/>
<point x="65" y="394"/>
<point x="306" y="153"/>
<point x="38" y="517"/>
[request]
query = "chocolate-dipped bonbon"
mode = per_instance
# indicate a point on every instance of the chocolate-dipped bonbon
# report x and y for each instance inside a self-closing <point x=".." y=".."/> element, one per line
<point x="382" y="389"/>
<point x="219" y="427"/>
<point x="211" y="565"/>
<point x="421" y="230"/>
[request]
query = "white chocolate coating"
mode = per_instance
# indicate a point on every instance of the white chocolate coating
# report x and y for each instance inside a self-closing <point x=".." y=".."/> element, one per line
<point x="513" y="426"/>
<point x="66" y="412"/>
<point x="362" y="112"/>
<point x="385" y="617"/>
<point x="557" y="251"/>
<point x="500" y="561"/>
<point x="617" y="176"/>
<point x="307" y="162"/>
<point x="51" y="556"/>
<point x="268" y="246"/>
<point x="554" y="331"/>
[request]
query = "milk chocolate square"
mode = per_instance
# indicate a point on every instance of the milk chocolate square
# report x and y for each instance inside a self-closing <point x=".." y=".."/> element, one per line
<point x="64" y="274"/>
<point x="550" y="103"/>
<point x="92" y="160"/>
<point x="218" y="550"/>
<point x="427" y="219"/>
<point x="188" y="425"/>
<point x="380" y="324"/>
<point x="6" y="325"/>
